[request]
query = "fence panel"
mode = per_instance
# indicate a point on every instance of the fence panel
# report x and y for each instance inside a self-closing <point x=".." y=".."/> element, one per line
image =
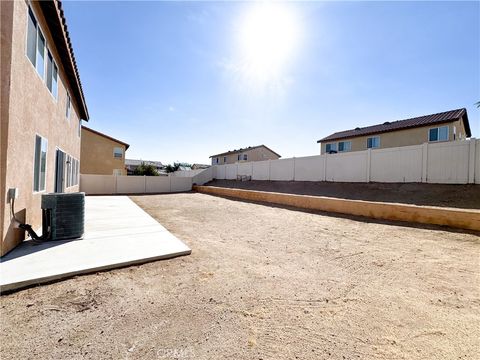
<point x="157" y="184"/>
<point x="245" y="169"/>
<point x="396" y="164"/>
<point x="309" y="168"/>
<point x="282" y="170"/>
<point x="448" y="162"/>
<point x="97" y="184"/>
<point x="220" y="172"/>
<point x="130" y="184"/>
<point x="178" y="184"/>
<point x="347" y="167"/>
<point x="261" y="170"/>
<point x="231" y="171"/>
<point x="203" y="177"/>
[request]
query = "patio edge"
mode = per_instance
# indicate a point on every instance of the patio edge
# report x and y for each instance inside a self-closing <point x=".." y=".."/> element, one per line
<point x="455" y="218"/>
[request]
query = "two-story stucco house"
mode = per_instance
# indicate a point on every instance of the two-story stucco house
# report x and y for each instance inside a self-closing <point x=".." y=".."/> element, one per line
<point x="41" y="106"/>
<point x="102" y="154"/>
<point x="251" y="153"/>
<point x="446" y="126"/>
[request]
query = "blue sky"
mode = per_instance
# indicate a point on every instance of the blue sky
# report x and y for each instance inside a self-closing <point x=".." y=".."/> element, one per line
<point x="174" y="81"/>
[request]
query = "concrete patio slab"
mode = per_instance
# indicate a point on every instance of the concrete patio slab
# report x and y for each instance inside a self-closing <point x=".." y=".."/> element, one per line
<point x="117" y="233"/>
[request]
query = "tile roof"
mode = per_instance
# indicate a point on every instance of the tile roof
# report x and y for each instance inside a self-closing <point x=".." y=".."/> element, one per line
<point x="106" y="136"/>
<point x="425" y="120"/>
<point x="236" y="151"/>
<point x="135" y="162"/>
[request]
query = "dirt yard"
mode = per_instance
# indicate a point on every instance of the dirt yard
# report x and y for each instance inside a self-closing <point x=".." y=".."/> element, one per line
<point x="459" y="196"/>
<point x="263" y="283"/>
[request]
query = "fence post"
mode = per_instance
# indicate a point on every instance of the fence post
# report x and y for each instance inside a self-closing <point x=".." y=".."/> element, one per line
<point x="471" y="161"/>
<point x="424" y="162"/>
<point x="324" y="167"/>
<point x="169" y="183"/>
<point x="145" y="184"/>
<point x="251" y="176"/>
<point x="115" y="185"/>
<point x="294" y="168"/>
<point x="369" y="164"/>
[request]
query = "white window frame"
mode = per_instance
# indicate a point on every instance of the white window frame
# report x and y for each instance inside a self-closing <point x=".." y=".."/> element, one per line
<point x="373" y="137"/>
<point x="438" y="133"/>
<point x="331" y="145"/>
<point x="344" y="142"/>
<point x="43" y="140"/>
<point x="118" y="157"/>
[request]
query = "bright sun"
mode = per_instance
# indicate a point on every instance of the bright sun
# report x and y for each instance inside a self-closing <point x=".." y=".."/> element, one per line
<point x="269" y="35"/>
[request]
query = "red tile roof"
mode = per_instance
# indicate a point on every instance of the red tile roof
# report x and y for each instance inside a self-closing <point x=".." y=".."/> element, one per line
<point x="433" y="119"/>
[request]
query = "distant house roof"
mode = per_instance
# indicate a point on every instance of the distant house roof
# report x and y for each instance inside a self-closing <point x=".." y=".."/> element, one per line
<point x="135" y="162"/>
<point x="230" y="152"/>
<point x="388" y="126"/>
<point x="57" y="25"/>
<point x="106" y="136"/>
<point x="200" y="166"/>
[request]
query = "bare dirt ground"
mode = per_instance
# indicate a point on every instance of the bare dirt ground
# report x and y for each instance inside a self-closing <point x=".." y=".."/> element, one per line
<point x="263" y="283"/>
<point x="458" y="196"/>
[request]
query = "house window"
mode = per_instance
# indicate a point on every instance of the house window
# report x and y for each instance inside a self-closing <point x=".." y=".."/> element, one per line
<point x="373" y="142"/>
<point x="245" y="157"/>
<point x="118" y="153"/>
<point x="344" y="146"/>
<point x="69" y="106"/>
<point x="52" y="75"/>
<point x="224" y="159"/>
<point x="217" y="160"/>
<point x="35" y="44"/>
<point x="40" y="164"/>
<point x="238" y="157"/>
<point x="438" y="134"/>
<point x="331" y="147"/>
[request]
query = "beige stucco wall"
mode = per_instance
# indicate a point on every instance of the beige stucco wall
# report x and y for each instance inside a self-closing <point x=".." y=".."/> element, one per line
<point x="415" y="136"/>
<point x="97" y="155"/>
<point x="31" y="110"/>
<point x="256" y="154"/>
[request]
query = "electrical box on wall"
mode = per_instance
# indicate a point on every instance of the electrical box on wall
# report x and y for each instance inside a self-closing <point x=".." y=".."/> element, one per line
<point x="13" y="193"/>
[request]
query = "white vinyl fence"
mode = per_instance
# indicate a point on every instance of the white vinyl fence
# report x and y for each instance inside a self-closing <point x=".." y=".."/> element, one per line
<point x="456" y="162"/>
<point x="110" y="184"/>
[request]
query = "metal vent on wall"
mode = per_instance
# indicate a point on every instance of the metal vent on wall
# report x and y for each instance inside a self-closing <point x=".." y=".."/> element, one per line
<point x="64" y="213"/>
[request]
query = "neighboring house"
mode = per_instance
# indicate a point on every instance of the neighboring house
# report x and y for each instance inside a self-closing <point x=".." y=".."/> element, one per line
<point x="102" y="154"/>
<point x="132" y="164"/>
<point x="41" y="108"/>
<point x="446" y="126"/>
<point x="200" y="166"/>
<point x="251" y="153"/>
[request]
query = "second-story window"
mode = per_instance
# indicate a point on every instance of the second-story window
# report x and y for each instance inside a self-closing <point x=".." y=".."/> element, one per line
<point x="330" y="147"/>
<point x="52" y="75"/>
<point x="68" y="106"/>
<point x="344" y="146"/>
<point x="224" y="159"/>
<point x="373" y="142"/>
<point x="35" y="44"/>
<point x="245" y="156"/>
<point x="438" y="134"/>
<point x="117" y="152"/>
